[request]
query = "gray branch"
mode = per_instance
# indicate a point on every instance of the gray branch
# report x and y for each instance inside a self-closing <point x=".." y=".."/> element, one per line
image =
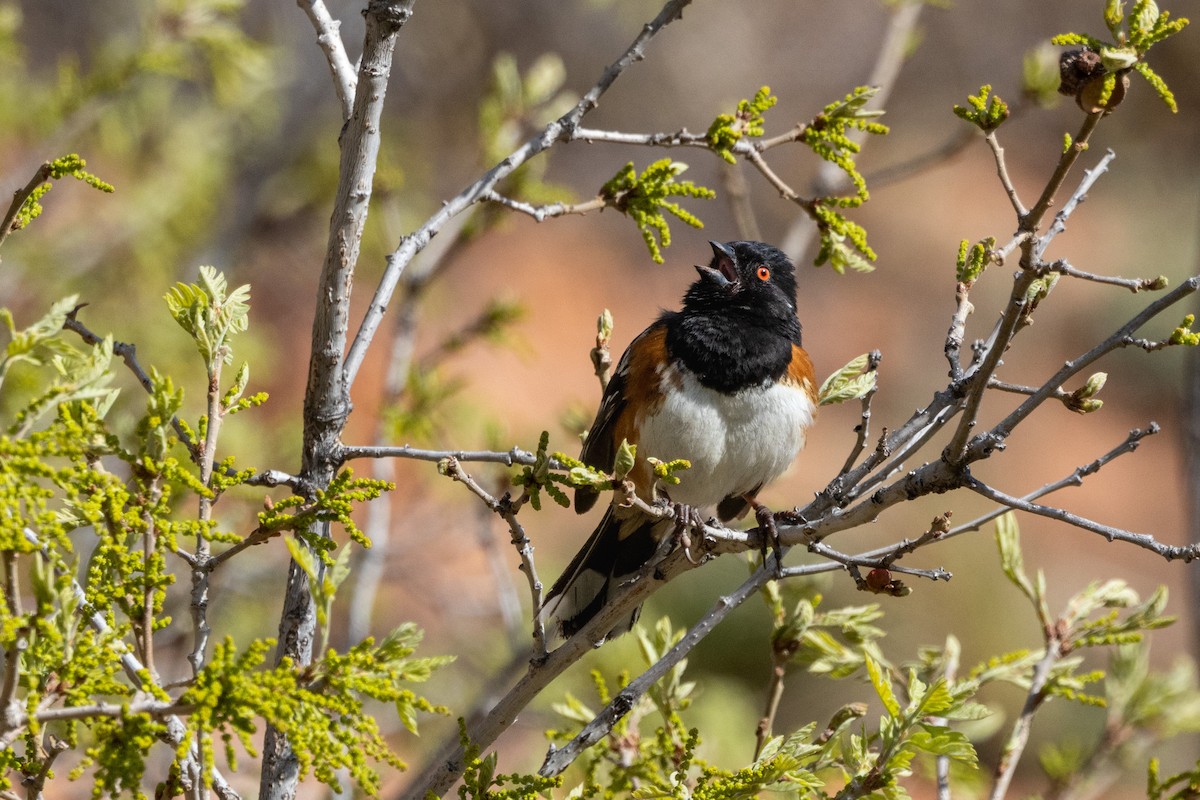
<point x="329" y="38"/>
<point x="557" y="131"/>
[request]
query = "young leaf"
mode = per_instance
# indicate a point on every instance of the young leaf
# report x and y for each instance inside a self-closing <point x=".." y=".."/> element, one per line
<point x="883" y="686"/>
<point x="849" y="383"/>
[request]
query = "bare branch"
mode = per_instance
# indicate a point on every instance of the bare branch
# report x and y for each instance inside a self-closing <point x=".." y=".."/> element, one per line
<point x="1144" y="540"/>
<point x="1031" y="220"/>
<point x="1134" y="285"/>
<point x="863" y="428"/>
<point x="327" y="393"/>
<point x="958" y="328"/>
<point x="1118" y="339"/>
<point x="1002" y="172"/>
<point x="557" y="131"/>
<point x="507" y="508"/>
<point x="543" y="213"/>
<point x="1014" y="313"/>
<point x="1090" y="176"/>
<point x="329" y="38"/>
<point x="506" y="457"/>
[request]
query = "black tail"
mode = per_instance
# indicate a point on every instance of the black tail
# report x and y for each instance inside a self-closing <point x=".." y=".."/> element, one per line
<point x="616" y="549"/>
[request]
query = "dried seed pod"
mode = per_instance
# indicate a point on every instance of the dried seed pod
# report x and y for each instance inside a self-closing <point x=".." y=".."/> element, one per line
<point x="1089" y="96"/>
<point x="1076" y="68"/>
<point x="1081" y="75"/>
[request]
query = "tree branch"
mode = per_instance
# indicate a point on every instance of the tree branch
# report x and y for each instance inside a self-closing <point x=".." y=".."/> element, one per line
<point x="1002" y="173"/>
<point x="1169" y="552"/>
<point x="507" y="508"/>
<point x="507" y="457"/>
<point x="557" y="131"/>
<point x="1118" y="339"/>
<point x="329" y="38"/>
<point x="863" y="428"/>
<point x="40" y="176"/>
<point x="327" y="395"/>
<point x="128" y="354"/>
<point x="1134" y="285"/>
<point x="1019" y="736"/>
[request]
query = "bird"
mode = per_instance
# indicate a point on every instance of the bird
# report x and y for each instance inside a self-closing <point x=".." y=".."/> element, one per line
<point x="724" y="383"/>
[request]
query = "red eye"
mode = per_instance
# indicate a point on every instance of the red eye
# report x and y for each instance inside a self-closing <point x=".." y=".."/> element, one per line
<point x="763" y="274"/>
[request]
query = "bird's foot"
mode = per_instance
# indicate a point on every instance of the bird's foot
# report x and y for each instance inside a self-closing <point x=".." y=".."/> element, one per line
<point x="688" y="520"/>
<point x="766" y="521"/>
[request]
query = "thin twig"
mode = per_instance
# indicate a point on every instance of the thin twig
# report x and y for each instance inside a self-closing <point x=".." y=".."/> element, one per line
<point x="912" y="442"/>
<point x="40" y="176"/>
<point x="507" y="457"/>
<point x="1015" y="311"/>
<point x="1090" y="176"/>
<point x="1119" y="338"/>
<point x="329" y="38"/>
<point x="863" y="428"/>
<point x="766" y="724"/>
<point x="198" y="604"/>
<point x="958" y="328"/>
<point x="1019" y="736"/>
<point x="128" y="354"/>
<point x="950" y="674"/>
<point x="1135" y="285"/>
<point x="545" y="212"/>
<point x="1143" y="540"/>
<point x="1033" y="219"/>
<point x="149" y="539"/>
<point x="557" y="131"/>
<point x="1002" y="173"/>
<point x="507" y="509"/>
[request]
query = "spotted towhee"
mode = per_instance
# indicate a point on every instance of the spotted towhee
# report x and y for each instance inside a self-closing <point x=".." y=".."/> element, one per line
<point x="723" y="383"/>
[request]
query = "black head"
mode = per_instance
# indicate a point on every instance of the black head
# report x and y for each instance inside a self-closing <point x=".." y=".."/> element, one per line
<point x="750" y="277"/>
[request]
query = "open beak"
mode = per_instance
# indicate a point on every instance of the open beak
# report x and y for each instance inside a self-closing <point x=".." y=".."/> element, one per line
<point x="722" y="272"/>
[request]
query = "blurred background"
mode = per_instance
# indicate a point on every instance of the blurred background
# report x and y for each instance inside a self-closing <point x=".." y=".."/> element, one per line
<point x="218" y="125"/>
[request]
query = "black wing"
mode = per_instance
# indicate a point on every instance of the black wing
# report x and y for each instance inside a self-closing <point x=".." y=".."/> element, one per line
<point x="635" y="378"/>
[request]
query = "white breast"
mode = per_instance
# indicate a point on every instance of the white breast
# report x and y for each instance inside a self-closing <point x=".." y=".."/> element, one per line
<point x="735" y="442"/>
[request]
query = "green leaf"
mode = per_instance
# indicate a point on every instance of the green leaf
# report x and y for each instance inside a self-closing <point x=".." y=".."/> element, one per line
<point x="932" y="701"/>
<point x="883" y="686"/>
<point x="624" y="460"/>
<point x="643" y="198"/>
<point x="850" y="382"/>
<point x="573" y="709"/>
<point x="27" y="343"/>
<point x="728" y="129"/>
<point x="942" y="741"/>
<point x="302" y="556"/>
<point x="985" y="110"/>
<point x="210" y="314"/>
